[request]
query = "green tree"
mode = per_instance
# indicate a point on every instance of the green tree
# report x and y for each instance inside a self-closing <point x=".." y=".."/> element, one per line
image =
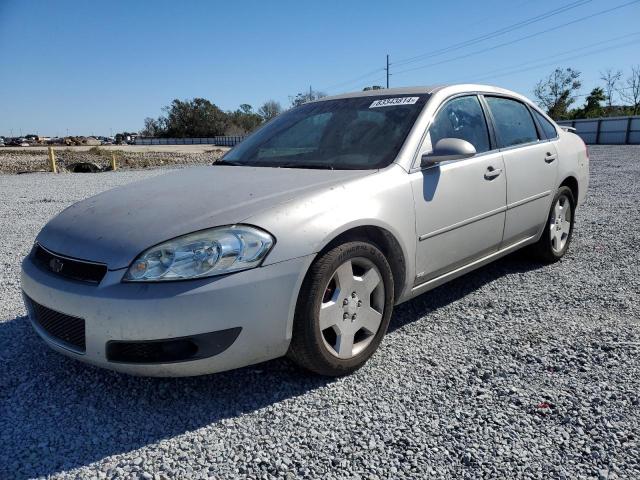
<point x="556" y="93"/>
<point x="610" y="79"/>
<point x="372" y="87"/>
<point x="269" y="110"/>
<point x="630" y="92"/>
<point x="194" y="118"/>
<point x="246" y="108"/>
<point x="243" y="120"/>
<point x="153" y="127"/>
<point x="305" y="97"/>
<point x="593" y="105"/>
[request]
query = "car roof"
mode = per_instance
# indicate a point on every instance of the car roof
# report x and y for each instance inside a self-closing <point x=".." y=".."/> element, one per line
<point x="428" y="89"/>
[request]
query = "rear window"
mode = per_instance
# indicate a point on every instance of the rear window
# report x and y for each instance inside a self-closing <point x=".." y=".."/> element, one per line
<point x="513" y="122"/>
<point x="547" y="127"/>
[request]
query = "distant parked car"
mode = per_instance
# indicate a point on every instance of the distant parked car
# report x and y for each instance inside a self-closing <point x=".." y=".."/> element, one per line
<point x="304" y="237"/>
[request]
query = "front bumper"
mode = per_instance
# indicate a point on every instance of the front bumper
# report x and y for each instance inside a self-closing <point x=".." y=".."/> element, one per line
<point x="260" y="301"/>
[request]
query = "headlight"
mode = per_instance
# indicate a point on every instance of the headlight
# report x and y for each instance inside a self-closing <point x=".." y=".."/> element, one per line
<point x="202" y="254"/>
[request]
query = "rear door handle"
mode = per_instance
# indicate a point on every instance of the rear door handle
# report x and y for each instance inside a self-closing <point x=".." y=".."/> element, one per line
<point x="492" y="173"/>
<point x="550" y="157"/>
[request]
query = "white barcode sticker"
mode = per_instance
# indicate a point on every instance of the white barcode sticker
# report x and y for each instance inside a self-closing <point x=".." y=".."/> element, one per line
<point x="388" y="102"/>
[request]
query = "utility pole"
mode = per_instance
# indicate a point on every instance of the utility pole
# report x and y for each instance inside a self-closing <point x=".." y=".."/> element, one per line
<point x="387" y="69"/>
<point x="310" y="93"/>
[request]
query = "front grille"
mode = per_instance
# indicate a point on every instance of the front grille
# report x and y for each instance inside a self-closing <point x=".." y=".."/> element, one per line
<point x="80" y="270"/>
<point x="194" y="347"/>
<point x="66" y="329"/>
<point x="151" y="352"/>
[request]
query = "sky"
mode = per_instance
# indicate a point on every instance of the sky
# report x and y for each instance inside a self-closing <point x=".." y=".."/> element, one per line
<point x="101" y="67"/>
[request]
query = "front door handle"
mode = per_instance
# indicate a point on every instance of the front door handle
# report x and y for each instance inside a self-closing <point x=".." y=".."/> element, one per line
<point x="550" y="157"/>
<point x="492" y="173"/>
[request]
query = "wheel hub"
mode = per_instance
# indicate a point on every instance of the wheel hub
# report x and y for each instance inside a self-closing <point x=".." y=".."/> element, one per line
<point x="350" y="306"/>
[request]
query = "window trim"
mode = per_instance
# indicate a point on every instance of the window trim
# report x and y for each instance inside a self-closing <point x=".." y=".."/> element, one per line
<point x="542" y="132"/>
<point x="481" y="94"/>
<point x="526" y="106"/>
<point x="493" y="145"/>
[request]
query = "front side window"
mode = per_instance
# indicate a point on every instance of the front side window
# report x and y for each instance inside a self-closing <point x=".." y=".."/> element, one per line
<point x="461" y="118"/>
<point x="513" y="122"/>
<point x="547" y="127"/>
<point x="350" y="133"/>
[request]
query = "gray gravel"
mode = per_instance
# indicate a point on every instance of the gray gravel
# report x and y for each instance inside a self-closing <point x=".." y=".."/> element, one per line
<point x="514" y="371"/>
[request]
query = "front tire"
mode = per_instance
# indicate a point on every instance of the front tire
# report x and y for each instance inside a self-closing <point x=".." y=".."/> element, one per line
<point x="343" y="310"/>
<point x="556" y="237"/>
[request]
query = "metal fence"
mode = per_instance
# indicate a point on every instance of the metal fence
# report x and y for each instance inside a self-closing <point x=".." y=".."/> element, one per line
<point x="608" y="130"/>
<point x="221" y="141"/>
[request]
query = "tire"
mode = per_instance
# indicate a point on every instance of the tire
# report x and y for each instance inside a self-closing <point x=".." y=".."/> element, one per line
<point x="556" y="237"/>
<point x="334" y="309"/>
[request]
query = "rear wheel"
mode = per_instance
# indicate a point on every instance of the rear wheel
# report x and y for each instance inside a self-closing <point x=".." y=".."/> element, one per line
<point x="555" y="239"/>
<point x="343" y="309"/>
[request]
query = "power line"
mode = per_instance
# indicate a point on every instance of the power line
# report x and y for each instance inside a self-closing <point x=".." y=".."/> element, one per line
<point x="361" y="77"/>
<point x="515" y="68"/>
<point x="500" y="31"/>
<point x="492" y="15"/>
<point x="594" y="52"/>
<point x="496" y="33"/>
<point x="494" y="47"/>
<point x="504" y="44"/>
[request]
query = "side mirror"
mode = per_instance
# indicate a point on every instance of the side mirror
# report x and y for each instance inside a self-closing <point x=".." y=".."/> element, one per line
<point x="448" y="149"/>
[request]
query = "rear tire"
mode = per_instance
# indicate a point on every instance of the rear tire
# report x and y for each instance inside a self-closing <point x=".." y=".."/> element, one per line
<point x="556" y="237"/>
<point x="343" y="310"/>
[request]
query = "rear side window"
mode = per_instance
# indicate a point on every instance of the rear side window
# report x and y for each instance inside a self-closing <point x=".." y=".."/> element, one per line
<point x="513" y="122"/>
<point x="461" y="118"/>
<point x="547" y="127"/>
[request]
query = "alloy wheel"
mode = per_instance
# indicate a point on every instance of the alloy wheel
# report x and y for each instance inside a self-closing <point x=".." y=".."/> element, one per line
<point x="352" y="308"/>
<point x="560" y="223"/>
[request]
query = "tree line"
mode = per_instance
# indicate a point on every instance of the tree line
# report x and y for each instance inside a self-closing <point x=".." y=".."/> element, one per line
<point x="200" y="117"/>
<point x="557" y="93"/>
<point x="616" y="96"/>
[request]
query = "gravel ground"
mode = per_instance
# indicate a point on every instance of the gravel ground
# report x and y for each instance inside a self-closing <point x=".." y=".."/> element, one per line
<point x="35" y="159"/>
<point x="514" y="371"/>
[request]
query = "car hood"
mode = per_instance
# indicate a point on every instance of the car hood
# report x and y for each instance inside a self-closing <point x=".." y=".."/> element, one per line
<point x="115" y="226"/>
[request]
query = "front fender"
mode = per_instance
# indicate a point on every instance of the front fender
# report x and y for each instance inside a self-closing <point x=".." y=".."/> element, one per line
<point x="305" y="225"/>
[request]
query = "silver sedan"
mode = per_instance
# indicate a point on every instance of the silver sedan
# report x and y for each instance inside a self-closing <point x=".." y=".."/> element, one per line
<point x="302" y="239"/>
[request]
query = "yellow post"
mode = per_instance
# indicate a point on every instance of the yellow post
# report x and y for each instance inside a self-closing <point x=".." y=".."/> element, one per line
<point x="114" y="165"/>
<point x="52" y="160"/>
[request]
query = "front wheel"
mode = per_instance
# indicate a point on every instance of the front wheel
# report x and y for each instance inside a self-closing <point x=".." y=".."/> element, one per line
<point x="343" y="310"/>
<point x="555" y="239"/>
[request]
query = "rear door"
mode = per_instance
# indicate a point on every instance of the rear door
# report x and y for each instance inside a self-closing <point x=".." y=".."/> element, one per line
<point x="460" y="205"/>
<point x="531" y="164"/>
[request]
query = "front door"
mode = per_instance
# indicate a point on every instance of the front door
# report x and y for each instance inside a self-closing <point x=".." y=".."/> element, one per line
<point x="460" y="205"/>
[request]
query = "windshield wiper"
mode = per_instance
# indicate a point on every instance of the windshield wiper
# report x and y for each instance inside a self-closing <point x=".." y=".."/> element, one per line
<point x="317" y="166"/>
<point x="229" y="162"/>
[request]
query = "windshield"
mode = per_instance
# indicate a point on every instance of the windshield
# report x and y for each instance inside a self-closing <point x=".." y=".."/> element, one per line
<point x="350" y="133"/>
